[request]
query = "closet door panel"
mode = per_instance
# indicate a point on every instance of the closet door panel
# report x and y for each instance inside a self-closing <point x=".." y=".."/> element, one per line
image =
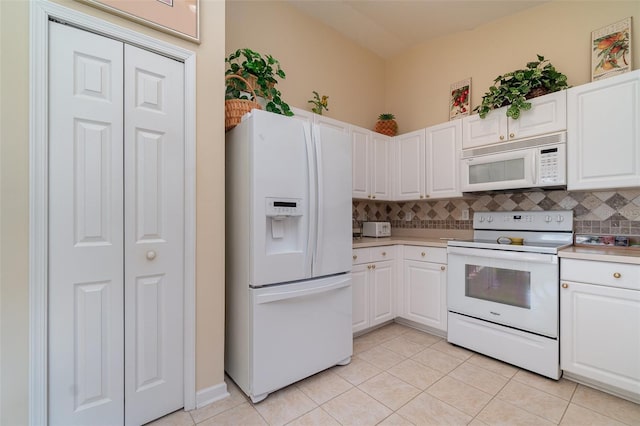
<point x="154" y="236"/>
<point x="86" y="353"/>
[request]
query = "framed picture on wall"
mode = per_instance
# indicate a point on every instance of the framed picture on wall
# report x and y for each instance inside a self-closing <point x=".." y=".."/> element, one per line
<point x="611" y="50"/>
<point x="177" y="17"/>
<point x="460" y="99"/>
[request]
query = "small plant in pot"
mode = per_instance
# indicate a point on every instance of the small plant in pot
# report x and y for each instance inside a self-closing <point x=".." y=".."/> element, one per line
<point x="516" y="87"/>
<point x="261" y="72"/>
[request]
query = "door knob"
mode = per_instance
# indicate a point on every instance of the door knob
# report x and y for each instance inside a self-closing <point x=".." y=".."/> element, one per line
<point x="151" y="255"/>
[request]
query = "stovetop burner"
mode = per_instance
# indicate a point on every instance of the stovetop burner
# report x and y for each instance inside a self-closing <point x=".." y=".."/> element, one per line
<point x="539" y="231"/>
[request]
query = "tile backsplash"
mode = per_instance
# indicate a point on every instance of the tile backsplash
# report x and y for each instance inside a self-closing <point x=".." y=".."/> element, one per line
<point x="602" y="212"/>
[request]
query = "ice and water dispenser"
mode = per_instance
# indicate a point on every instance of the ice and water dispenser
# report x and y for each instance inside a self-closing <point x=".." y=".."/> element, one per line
<point x="284" y="225"/>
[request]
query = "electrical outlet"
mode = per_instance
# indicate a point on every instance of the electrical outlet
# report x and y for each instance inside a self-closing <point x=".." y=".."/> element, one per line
<point x="465" y="214"/>
<point x="408" y="216"/>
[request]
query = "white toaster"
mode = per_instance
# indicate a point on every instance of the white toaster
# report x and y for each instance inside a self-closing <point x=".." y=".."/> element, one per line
<point x="376" y="229"/>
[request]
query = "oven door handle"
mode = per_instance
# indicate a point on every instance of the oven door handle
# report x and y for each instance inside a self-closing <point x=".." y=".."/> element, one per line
<point x="505" y="255"/>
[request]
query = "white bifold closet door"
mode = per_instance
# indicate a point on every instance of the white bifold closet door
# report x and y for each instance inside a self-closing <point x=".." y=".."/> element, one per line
<point x="116" y="231"/>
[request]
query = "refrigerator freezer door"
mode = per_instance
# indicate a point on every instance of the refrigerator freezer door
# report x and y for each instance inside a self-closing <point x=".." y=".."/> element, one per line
<point x="298" y="330"/>
<point x="280" y="200"/>
<point x="333" y="233"/>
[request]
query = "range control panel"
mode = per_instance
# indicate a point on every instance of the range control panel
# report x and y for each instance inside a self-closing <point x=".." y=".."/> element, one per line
<point x="550" y="220"/>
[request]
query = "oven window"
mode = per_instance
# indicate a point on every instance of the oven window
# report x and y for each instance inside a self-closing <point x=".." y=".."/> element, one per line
<point x="506" y="286"/>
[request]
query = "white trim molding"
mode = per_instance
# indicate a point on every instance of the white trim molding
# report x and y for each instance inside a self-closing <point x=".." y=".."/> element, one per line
<point x="211" y="394"/>
<point x="41" y="12"/>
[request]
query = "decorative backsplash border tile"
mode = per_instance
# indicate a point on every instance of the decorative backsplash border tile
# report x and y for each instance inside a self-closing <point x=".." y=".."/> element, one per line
<point x="604" y="212"/>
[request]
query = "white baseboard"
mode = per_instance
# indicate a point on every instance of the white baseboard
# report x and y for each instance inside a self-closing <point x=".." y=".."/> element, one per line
<point x="211" y="394"/>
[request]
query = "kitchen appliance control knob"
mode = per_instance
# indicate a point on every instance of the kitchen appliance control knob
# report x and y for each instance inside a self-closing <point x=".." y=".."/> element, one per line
<point x="481" y="218"/>
<point x="560" y="218"/>
<point x="490" y="219"/>
<point x="616" y="275"/>
<point x="151" y="255"/>
<point x="547" y="218"/>
<point x="565" y="285"/>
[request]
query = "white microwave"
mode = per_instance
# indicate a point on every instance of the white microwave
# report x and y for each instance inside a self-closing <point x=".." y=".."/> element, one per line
<point x="529" y="163"/>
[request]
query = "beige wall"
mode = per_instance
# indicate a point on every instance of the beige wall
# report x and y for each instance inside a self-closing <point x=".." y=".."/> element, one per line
<point x="14" y="190"/>
<point x="418" y="80"/>
<point x="314" y="56"/>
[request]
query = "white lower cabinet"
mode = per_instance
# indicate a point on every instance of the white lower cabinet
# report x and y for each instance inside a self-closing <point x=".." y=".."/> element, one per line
<point x="373" y="286"/>
<point x="424" y="286"/>
<point x="600" y="324"/>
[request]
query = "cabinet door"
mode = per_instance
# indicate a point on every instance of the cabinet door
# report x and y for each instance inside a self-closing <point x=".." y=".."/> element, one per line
<point x="443" y="144"/>
<point x="360" y="294"/>
<point x="603" y="133"/>
<point x="382" y="292"/>
<point x="424" y="292"/>
<point x="600" y="329"/>
<point x="547" y="114"/>
<point x="381" y="157"/>
<point x="478" y="131"/>
<point x="330" y="122"/>
<point x="361" y="157"/>
<point x="409" y="170"/>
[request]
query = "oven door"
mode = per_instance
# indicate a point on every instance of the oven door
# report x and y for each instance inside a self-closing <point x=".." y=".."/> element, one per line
<point x="505" y="170"/>
<point x="514" y="289"/>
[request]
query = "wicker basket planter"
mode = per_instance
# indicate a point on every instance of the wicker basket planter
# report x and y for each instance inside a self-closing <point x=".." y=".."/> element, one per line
<point x="235" y="109"/>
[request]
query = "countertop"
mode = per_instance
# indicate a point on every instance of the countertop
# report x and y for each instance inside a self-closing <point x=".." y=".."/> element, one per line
<point x="409" y="241"/>
<point x="603" y="254"/>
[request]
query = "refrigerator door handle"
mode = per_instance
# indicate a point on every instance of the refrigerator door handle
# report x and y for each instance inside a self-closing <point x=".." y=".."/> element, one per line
<point x="312" y="236"/>
<point x="318" y="246"/>
<point x="293" y="294"/>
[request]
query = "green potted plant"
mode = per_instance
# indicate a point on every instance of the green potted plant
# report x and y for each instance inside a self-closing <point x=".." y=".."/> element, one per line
<point x="261" y="72"/>
<point x="516" y="87"/>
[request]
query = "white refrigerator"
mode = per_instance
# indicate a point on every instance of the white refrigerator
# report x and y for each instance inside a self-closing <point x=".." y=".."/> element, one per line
<point x="288" y="251"/>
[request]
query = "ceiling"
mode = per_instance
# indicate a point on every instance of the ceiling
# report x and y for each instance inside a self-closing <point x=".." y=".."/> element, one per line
<point x="387" y="27"/>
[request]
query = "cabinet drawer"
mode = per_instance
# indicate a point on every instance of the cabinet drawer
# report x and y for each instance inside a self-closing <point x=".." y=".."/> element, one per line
<point x="426" y="254"/>
<point x="360" y="255"/>
<point x="611" y="274"/>
<point x="378" y="254"/>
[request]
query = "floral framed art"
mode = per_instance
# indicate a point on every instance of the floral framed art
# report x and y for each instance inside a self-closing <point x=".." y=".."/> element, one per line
<point x="611" y="50"/>
<point x="177" y="17"/>
<point x="460" y="99"/>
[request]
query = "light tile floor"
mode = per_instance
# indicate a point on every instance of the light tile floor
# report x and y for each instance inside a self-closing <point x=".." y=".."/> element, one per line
<point x="402" y="376"/>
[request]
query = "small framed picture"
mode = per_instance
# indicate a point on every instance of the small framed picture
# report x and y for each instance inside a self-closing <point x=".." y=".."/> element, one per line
<point x="611" y="50"/>
<point x="460" y="99"/>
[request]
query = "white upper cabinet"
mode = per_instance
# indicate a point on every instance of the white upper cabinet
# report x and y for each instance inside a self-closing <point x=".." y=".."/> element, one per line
<point x="548" y="114"/>
<point x="603" y="133"/>
<point x="409" y="178"/>
<point x="381" y="160"/>
<point x="371" y="164"/>
<point x="443" y="145"/>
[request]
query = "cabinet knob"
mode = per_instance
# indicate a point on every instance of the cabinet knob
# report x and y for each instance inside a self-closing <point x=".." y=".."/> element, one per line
<point x="151" y="255"/>
<point x="501" y="137"/>
<point x="421" y="196"/>
<point x="369" y="195"/>
<point x="616" y="275"/>
<point x="423" y="254"/>
<point x="373" y="266"/>
<point x="511" y="135"/>
<point x="565" y="285"/>
<point x="427" y="196"/>
<point x="384" y="253"/>
<point x="368" y="266"/>
<point x="442" y="268"/>
<point x="355" y="257"/>
<point x="373" y="197"/>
